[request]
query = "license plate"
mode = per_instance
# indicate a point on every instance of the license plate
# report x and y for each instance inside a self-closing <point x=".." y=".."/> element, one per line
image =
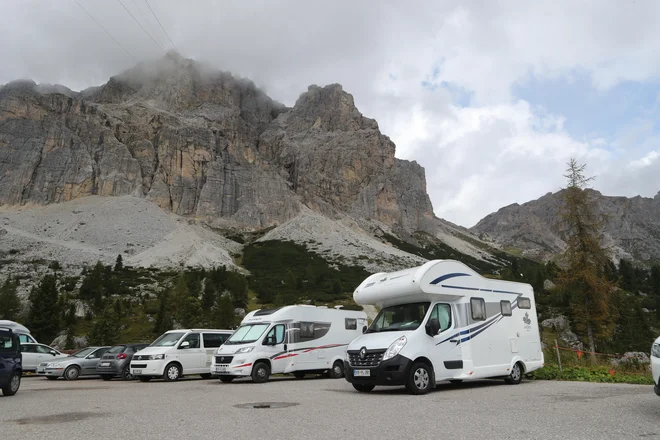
<point x="362" y="373"/>
<point x="40" y="370"/>
<point x="221" y="369"/>
<point x="136" y="371"/>
<point x="105" y="364"/>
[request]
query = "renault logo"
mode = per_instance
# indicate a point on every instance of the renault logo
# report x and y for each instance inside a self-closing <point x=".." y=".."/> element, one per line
<point x="363" y="352"/>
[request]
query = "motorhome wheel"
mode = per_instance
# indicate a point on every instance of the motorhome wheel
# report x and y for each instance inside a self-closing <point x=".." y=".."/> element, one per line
<point x="337" y="370"/>
<point x="260" y="372"/>
<point x="226" y="378"/>
<point x="363" y="388"/>
<point x="516" y="375"/>
<point x="657" y="390"/>
<point x="419" y="379"/>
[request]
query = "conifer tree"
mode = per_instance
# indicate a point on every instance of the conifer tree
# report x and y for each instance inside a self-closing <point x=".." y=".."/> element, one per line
<point x="10" y="304"/>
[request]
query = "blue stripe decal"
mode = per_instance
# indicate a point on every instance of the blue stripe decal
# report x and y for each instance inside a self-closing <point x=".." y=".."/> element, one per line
<point x="449" y="275"/>
<point x="476" y="289"/>
<point x="460" y="287"/>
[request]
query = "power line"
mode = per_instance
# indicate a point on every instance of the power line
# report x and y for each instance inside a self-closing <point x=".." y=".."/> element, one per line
<point x="161" y="26"/>
<point x="139" y="24"/>
<point x="105" y="30"/>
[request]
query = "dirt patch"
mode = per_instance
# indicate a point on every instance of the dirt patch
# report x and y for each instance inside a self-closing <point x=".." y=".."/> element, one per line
<point x="55" y="419"/>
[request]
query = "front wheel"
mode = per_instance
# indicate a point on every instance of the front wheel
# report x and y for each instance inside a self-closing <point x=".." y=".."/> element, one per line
<point x="298" y="374"/>
<point x="260" y="372"/>
<point x="337" y="370"/>
<point x="226" y="379"/>
<point x="172" y="373"/>
<point x="71" y="373"/>
<point x="419" y="379"/>
<point x="13" y="385"/>
<point x="363" y="388"/>
<point x="516" y="375"/>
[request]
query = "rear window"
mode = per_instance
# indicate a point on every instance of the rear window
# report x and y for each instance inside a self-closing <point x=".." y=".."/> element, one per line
<point x="117" y="349"/>
<point x="214" y="340"/>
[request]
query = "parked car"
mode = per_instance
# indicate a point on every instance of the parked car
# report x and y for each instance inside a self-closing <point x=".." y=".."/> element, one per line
<point x="35" y="354"/>
<point x="117" y="361"/>
<point x="10" y="362"/>
<point x="655" y="365"/>
<point x="78" y="364"/>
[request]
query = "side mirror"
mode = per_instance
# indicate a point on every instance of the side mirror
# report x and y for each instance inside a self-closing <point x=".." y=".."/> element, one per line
<point x="184" y="344"/>
<point x="364" y="329"/>
<point x="54" y="353"/>
<point x="270" y="340"/>
<point x="432" y="327"/>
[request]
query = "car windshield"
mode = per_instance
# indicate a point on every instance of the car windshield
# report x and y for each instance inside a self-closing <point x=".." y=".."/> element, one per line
<point x="117" y="349"/>
<point x="401" y="317"/>
<point x="247" y="333"/>
<point x="84" y="352"/>
<point x="168" y="339"/>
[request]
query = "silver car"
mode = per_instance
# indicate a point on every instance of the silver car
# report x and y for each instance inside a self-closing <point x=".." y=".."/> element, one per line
<point x="79" y="364"/>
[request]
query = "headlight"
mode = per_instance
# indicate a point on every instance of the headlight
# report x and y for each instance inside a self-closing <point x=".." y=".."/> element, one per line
<point x="244" y="350"/>
<point x="655" y="351"/>
<point x="395" y="348"/>
<point x="54" y="365"/>
<point x="156" y="357"/>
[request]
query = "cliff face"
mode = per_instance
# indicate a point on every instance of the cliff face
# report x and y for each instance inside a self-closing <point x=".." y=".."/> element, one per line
<point x="632" y="228"/>
<point x="204" y="144"/>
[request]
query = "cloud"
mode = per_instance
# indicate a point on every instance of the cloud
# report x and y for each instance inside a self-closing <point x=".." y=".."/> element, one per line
<point x="439" y="77"/>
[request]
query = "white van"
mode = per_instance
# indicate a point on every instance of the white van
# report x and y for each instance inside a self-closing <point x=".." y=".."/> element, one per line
<point x="443" y="321"/>
<point x="298" y="339"/>
<point x="178" y="353"/>
<point x="19" y="329"/>
<point x="655" y="365"/>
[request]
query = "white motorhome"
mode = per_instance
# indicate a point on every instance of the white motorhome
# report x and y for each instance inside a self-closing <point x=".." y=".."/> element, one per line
<point x="298" y="339"/>
<point x="443" y="321"/>
<point x="19" y="329"/>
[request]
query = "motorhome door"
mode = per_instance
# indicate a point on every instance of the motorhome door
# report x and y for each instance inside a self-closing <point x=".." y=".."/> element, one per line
<point x="275" y="344"/>
<point x="446" y="351"/>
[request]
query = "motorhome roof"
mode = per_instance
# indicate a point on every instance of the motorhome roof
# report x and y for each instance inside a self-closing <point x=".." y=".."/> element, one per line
<point x="15" y="326"/>
<point x="198" y="330"/>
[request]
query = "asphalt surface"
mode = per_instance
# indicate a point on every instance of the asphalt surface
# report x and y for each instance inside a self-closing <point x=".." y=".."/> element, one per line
<point x="322" y="408"/>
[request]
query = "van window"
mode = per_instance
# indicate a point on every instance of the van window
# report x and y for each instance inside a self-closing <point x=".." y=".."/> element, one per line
<point x="351" y="324"/>
<point x="25" y="338"/>
<point x="524" y="303"/>
<point x="478" y="306"/>
<point x="6" y="342"/>
<point x="505" y="307"/>
<point x="193" y="339"/>
<point x="442" y="312"/>
<point x="277" y="332"/>
<point x="28" y="348"/>
<point x="213" y="340"/>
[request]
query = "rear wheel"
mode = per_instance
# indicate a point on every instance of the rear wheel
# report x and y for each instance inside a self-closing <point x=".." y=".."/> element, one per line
<point x="419" y="379"/>
<point x="172" y="373"/>
<point x="657" y="390"/>
<point x="337" y="370"/>
<point x="363" y="388"/>
<point x="126" y="373"/>
<point x="71" y="373"/>
<point x="516" y="374"/>
<point x="260" y="372"/>
<point x="106" y="377"/>
<point x="144" y="378"/>
<point x="298" y="374"/>
<point x="226" y="379"/>
<point x="13" y="385"/>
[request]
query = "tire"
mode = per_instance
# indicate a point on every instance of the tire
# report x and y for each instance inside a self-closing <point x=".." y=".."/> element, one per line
<point x="51" y="377"/>
<point x="226" y="378"/>
<point x="13" y="385"/>
<point x="172" y="372"/>
<point x="657" y="390"/>
<point x="126" y="373"/>
<point x="456" y="381"/>
<point x="516" y="374"/>
<point x="337" y="370"/>
<point x="72" y="373"/>
<point x="205" y="376"/>
<point x="144" y="378"/>
<point x="106" y="377"/>
<point x="419" y="379"/>
<point x="260" y="372"/>
<point x="363" y="388"/>
<point x="298" y="374"/>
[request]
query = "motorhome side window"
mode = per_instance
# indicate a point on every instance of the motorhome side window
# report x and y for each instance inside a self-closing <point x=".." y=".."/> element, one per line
<point x="276" y="333"/>
<point x="306" y="330"/>
<point x="478" y="306"/>
<point x="442" y="312"/>
<point x="524" y="303"/>
<point x="351" y="324"/>
<point x="505" y="306"/>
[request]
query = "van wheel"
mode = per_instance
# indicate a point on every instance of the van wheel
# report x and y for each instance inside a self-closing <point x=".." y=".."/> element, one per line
<point x="106" y="377"/>
<point x="71" y="373"/>
<point x="363" y="388"/>
<point x="337" y="370"/>
<point x="144" y="378"/>
<point x="516" y="375"/>
<point x="298" y="374"/>
<point x="419" y="379"/>
<point x="205" y="376"/>
<point x="226" y="378"/>
<point x="260" y="372"/>
<point x="13" y="385"/>
<point x="172" y="373"/>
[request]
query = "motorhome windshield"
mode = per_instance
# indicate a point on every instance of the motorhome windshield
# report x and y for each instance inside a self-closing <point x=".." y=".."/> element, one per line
<point x="401" y="317"/>
<point x="246" y="334"/>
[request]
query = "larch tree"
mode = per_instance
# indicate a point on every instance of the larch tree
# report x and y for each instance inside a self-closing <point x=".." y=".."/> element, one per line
<point x="584" y="278"/>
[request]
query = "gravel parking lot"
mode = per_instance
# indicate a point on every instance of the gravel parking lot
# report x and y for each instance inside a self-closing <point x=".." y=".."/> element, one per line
<point x="325" y="408"/>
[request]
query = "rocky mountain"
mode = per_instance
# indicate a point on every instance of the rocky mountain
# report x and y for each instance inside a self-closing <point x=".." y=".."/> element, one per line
<point x="215" y="154"/>
<point x="631" y="231"/>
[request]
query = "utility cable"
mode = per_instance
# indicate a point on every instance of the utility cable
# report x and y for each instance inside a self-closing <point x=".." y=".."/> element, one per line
<point x="106" y="31"/>
<point x="161" y="26"/>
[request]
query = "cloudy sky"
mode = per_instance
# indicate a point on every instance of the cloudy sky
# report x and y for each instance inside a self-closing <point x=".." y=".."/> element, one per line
<point x="491" y="97"/>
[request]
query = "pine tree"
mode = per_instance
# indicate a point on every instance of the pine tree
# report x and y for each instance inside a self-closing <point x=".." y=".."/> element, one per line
<point x="105" y="330"/>
<point x="119" y="264"/>
<point x="164" y="319"/>
<point x="91" y="288"/>
<point x="238" y="288"/>
<point x="584" y="278"/>
<point x="654" y="281"/>
<point x="43" y="317"/>
<point x="10" y="304"/>
<point x="223" y="313"/>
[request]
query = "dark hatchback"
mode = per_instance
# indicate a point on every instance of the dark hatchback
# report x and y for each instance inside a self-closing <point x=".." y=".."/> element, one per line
<point x="11" y="362"/>
<point x="117" y="361"/>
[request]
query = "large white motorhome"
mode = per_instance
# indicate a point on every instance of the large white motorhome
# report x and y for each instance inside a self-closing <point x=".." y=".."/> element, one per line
<point x="443" y="321"/>
<point x="298" y="339"/>
<point x="19" y="329"/>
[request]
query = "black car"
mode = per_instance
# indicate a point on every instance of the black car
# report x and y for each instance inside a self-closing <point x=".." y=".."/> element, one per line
<point x="117" y="361"/>
<point x="11" y="362"/>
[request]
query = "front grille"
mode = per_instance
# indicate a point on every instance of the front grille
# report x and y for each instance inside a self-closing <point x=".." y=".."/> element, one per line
<point x="144" y="357"/>
<point x="43" y="364"/>
<point x="223" y="359"/>
<point x="371" y="358"/>
<point x="138" y="365"/>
